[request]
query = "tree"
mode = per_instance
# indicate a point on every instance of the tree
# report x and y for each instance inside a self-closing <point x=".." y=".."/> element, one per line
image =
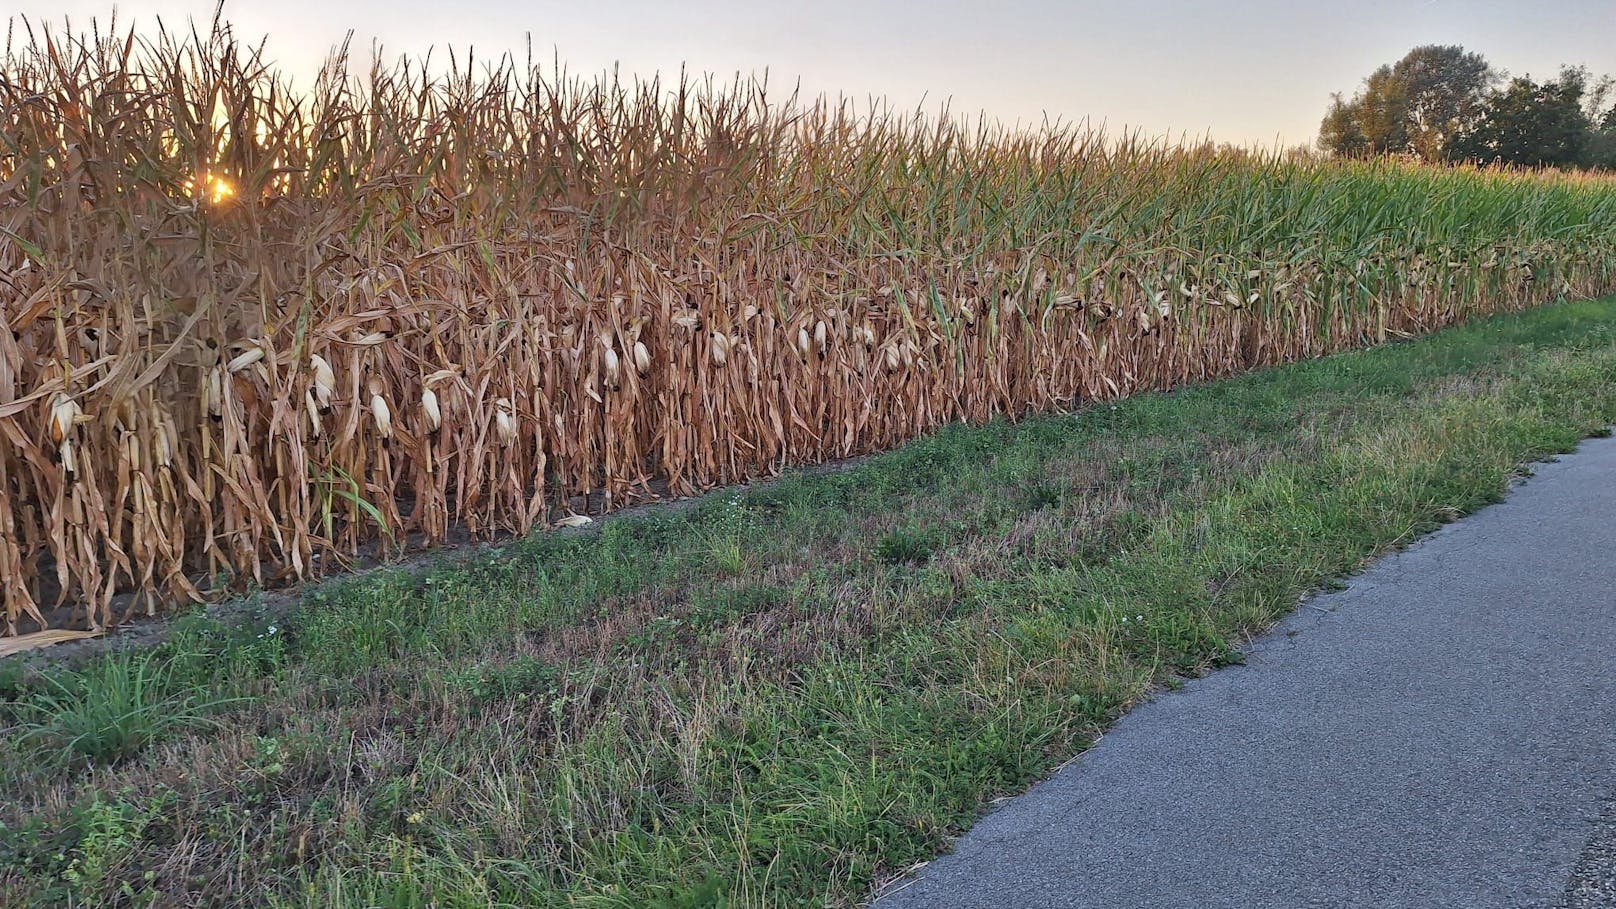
<point x="1445" y="91"/>
<point x="1601" y="151"/>
<point x="1416" y="106"/>
<point x="1382" y="112"/>
<point x="1341" y="132"/>
<point x="1533" y="124"/>
<point x="1599" y="106"/>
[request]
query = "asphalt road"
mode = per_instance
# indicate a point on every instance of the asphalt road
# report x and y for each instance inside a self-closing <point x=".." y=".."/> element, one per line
<point x="1442" y="733"/>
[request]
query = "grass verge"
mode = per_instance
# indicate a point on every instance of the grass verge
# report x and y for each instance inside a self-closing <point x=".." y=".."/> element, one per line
<point x="783" y="695"/>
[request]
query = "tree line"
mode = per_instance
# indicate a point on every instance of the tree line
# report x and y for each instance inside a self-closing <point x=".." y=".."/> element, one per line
<point x="1442" y="103"/>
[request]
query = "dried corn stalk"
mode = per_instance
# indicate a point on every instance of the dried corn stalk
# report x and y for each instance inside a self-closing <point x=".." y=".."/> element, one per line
<point x="315" y="324"/>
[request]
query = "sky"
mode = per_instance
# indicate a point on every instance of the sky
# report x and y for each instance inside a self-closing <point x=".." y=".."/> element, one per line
<point x="1250" y="72"/>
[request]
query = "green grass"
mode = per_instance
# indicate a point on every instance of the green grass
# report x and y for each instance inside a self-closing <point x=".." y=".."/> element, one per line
<point x="783" y="695"/>
<point x="109" y="712"/>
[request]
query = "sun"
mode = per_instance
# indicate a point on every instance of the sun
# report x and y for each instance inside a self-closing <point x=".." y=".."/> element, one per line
<point x="219" y="189"/>
<point x="210" y="188"/>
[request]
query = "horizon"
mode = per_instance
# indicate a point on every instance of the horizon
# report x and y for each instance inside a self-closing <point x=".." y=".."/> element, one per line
<point x="1248" y="98"/>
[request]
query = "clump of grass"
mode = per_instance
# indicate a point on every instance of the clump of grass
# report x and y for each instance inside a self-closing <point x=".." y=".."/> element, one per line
<point x="109" y="711"/>
<point x="907" y="545"/>
<point x="522" y="678"/>
<point x="406" y="301"/>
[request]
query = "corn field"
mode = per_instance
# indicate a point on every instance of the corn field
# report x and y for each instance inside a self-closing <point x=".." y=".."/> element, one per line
<point x="253" y="332"/>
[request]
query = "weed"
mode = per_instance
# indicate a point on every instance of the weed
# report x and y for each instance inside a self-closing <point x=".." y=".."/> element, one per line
<point x="520" y="678"/>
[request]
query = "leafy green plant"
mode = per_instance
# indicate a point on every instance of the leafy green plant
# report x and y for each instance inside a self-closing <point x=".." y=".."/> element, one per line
<point x="336" y="484"/>
<point x="108" y="829"/>
<point x="522" y="677"/>
<point x="1040" y="495"/>
<point x="728" y="522"/>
